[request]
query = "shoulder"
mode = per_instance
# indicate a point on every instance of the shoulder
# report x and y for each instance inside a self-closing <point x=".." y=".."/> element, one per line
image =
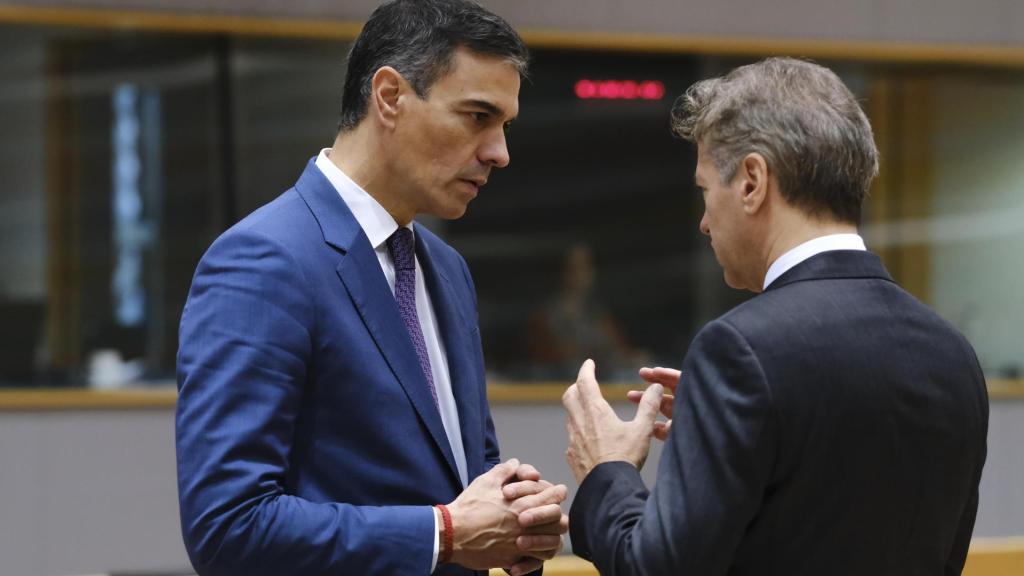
<point x="284" y="224"/>
<point x="270" y="244"/>
<point x="283" y="218"/>
<point x="758" y="317"/>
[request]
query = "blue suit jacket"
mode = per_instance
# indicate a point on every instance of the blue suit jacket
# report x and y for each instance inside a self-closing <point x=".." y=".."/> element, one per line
<point x="307" y="438"/>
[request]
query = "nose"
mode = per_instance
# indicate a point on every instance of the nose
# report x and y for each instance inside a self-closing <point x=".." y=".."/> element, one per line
<point x="494" y="150"/>
<point x="705" y="229"/>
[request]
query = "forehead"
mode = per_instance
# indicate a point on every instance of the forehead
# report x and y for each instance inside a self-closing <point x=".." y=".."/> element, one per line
<point x="479" y="77"/>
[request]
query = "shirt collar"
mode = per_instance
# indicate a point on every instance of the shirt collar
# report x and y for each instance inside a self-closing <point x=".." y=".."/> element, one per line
<point x="376" y="222"/>
<point x="810" y="248"/>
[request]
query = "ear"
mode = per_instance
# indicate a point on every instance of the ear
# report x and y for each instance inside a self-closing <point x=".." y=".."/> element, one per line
<point x="386" y="87"/>
<point x="753" y="175"/>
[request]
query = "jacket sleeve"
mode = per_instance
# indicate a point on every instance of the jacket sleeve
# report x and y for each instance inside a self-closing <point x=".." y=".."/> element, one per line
<point x="246" y="343"/>
<point x="711" y="477"/>
<point x="492" y="454"/>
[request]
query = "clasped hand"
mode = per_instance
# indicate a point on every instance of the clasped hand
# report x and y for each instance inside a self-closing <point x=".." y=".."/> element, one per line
<point x="508" y="518"/>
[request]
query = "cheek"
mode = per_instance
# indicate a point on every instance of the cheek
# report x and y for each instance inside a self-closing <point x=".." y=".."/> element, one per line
<point x="448" y="136"/>
<point x="432" y="142"/>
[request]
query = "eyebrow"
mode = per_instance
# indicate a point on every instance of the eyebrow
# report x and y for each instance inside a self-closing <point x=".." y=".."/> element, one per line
<point x="487" y="106"/>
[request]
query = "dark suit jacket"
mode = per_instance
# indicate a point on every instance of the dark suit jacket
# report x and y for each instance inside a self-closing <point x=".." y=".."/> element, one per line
<point x="832" y="425"/>
<point x="308" y="441"/>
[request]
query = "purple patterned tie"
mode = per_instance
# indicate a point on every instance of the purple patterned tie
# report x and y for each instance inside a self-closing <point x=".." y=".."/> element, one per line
<point x="404" y="256"/>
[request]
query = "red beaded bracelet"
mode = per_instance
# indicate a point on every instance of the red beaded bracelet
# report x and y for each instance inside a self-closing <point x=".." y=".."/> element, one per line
<point x="449" y="537"/>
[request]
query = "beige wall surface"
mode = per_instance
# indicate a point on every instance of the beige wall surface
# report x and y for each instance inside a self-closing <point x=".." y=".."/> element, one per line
<point x="980" y="22"/>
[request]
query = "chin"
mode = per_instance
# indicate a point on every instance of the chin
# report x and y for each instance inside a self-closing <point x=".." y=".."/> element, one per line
<point x="451" y="212"/>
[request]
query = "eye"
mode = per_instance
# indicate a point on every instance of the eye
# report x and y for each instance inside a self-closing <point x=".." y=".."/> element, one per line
<point x="507" y="127"/>
<point x="480" y="117"/>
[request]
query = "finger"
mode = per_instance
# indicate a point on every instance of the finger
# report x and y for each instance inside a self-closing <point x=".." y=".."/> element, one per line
<point x="527" y="472"/>
<point x="537" y="516"/>
<point x="650" y="403"/>
<point x="546" y="553"/>
<point x="575" y="411"/>
<point x="559" y="527"/>
<point x="539" y="542"/>
<point x="667" y="401"/>
<point x="503" y="472"/>
<point x="667" y="377"/>
<point x="571" y="398"/>
<point x="661" y="430"/>
<point x="515" y="490"/>
<point x="525" y="566"/>
<point x="586" y="381"/>
<point x="552" y="495"/>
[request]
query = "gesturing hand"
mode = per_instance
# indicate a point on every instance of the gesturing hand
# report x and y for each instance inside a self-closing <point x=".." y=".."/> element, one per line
<point x="596" y="434"/>
<point x="669" y="378"/>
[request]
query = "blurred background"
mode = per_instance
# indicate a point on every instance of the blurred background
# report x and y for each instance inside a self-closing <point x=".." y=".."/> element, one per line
<point x="133" y="132"/>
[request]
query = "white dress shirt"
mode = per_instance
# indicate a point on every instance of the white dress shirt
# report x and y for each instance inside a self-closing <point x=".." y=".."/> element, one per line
<point x="378" y="225"/>
<point x="810" y="248"/>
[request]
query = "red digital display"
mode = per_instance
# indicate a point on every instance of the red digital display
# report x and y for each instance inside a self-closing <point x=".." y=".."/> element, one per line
<point x="619" y="90"/>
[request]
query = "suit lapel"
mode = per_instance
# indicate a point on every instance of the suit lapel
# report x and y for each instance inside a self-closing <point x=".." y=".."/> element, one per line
<point x="453" y="325"/>
<point x="363" y="279"/>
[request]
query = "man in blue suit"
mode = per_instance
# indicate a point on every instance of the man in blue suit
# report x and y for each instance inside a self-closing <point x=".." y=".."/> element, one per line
<point x="330" y="372"/>
<point x="832" y="424"/>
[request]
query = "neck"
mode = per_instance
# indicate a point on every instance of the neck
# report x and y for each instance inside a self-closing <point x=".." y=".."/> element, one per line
<point x="357" y="153"/>
<point x="793" y="229"/>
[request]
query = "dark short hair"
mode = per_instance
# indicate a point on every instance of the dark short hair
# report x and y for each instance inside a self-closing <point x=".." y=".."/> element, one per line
<point x="417" y="38"/>
<point x="800" y="117"/>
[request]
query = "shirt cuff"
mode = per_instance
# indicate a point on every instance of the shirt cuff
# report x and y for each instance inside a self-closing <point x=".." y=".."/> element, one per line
<point x="433" y="561"/>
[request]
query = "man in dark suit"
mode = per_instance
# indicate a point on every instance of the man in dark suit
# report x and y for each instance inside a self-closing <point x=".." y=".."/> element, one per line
<point x="830" y="425"/>
<point x="331" y="379"/>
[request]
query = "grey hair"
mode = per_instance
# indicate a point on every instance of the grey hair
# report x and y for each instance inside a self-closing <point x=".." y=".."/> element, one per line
<point x="796" y="114"/>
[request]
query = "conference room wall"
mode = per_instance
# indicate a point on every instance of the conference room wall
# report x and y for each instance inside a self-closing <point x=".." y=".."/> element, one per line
<point x="242" y="115"/>
<point x="978" y="222"/>
<point x="992" y="22"/>
<point x="94" y="491"/>
<point x="22" y="164"/>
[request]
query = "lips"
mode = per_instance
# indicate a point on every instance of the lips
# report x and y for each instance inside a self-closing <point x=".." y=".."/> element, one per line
<point x="474" y="183"/>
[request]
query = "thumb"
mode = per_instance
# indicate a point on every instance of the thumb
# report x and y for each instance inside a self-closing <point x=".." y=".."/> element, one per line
<point x="650" y="403"/>
<point x="586" y="371"/>
<point x="586" y="380"/>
